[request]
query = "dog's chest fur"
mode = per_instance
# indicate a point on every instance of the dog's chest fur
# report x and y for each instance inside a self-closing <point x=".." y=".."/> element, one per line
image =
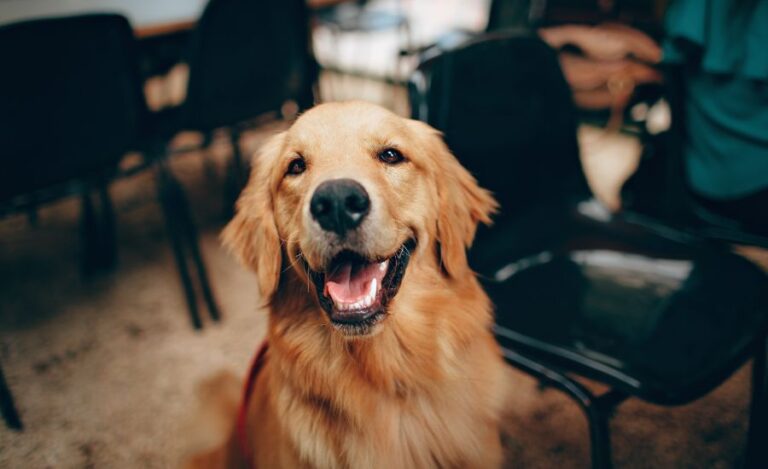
<point x="369" y="408"/>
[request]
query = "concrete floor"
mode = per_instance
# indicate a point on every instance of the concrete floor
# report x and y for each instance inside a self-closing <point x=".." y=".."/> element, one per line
<point x="104" y="369"/>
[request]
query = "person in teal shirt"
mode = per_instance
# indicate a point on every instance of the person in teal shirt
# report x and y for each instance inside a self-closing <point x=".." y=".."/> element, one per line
<point x="722" y="46"/>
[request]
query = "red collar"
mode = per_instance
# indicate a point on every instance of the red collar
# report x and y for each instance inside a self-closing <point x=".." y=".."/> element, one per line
<point x="241" y="429"/>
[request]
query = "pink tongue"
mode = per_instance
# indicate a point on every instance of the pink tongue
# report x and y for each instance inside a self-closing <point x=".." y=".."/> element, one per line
<point x="350" y="282"/>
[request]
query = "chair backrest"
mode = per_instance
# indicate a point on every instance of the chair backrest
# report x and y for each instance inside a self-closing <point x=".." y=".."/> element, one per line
<point x="248" y="57"/>
<point x="506" y="112"/>
<point x="71" y="99"/>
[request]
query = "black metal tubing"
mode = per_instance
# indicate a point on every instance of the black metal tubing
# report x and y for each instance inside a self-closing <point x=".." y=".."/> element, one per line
<point x="97" y="229"/>
<point x="167" y="195"/>
<point x="597" y="409"/>
<point x="107" y="231"/>
<point x="7" y="407"/>
<point x="184" y="240"/>
<point x="192" y="243"/>
<point x="87" y="232"/>
<point x="756" y="455"/>
<point x="236" y="174"/>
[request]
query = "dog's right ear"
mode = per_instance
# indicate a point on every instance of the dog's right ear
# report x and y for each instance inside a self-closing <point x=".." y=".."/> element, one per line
<point x="462" y="203"/>
<point x="252" y="234"/>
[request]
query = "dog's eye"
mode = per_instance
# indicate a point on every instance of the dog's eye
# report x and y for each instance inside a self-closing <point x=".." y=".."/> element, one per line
<point x="297" y="166"/>
<point x="391" y="156"/>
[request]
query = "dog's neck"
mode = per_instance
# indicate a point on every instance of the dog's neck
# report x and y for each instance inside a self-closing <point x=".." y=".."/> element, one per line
<point x="434" y="361"/>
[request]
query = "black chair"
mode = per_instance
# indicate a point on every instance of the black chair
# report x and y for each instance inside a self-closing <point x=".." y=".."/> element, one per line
<point x="76" y="82"/>
<point x="246" y="58"/>
<point x="72" y="107"/>
<point x="650" y="311"/>
<point x="71" y="110"/>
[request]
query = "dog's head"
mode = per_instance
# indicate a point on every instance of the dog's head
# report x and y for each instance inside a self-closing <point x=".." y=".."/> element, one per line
<point x="346" y="199"/>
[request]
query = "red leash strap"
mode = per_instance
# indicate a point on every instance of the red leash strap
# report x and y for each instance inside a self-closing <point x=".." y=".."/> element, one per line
<point x="241" y="428"/>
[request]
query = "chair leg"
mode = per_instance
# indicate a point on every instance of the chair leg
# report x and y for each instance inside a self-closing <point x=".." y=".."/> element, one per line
<point x="597" y="409"/>
<point x="599" y="434"/>
<point x="209" y="165"/>
<point x="88" y="233"/>
<point x="97" y="231"/>
<point x="756" y="455"/>
<point x="107" y="233"/>
<point x="397" y="85"/>
<point x="192" y="242"/>
<point x="8" y="408"/>
<point x="169" y="202"/>
<point x="235" y="175"/>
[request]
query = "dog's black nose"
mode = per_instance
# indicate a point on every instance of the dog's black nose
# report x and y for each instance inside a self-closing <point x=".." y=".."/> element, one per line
<point x="339" y="205"/>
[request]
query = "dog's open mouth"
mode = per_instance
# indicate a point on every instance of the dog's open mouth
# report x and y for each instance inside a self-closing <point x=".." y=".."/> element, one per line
<point x="355" y="291"/>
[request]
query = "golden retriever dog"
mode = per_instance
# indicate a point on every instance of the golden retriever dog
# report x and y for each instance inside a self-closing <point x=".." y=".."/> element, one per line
<point x="380" y="354"/>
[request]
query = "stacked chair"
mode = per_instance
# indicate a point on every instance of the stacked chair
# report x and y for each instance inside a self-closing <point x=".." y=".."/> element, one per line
<point x="73" y="106"/>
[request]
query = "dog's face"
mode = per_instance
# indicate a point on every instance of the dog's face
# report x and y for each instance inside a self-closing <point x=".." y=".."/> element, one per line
<point x="347" y="198"/>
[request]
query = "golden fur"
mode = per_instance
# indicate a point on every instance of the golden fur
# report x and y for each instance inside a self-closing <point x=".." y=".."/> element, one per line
<point x="426" y="388"/>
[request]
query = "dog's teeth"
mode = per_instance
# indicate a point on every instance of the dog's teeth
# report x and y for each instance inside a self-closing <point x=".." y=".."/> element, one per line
<point x="383" y="265"/>
<point x="371" y="296"/>
<point x="365" y="302"/>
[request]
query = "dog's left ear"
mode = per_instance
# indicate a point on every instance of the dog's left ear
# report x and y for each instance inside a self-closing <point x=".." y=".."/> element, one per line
<point x="462" y="203"/>
<point x="252" y="234"/>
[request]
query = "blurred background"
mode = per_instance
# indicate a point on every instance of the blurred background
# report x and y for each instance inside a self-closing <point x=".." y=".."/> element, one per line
<point x="627" y="141"/>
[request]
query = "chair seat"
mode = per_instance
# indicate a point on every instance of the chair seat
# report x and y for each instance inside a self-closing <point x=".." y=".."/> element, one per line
<point x="655" y="313"/>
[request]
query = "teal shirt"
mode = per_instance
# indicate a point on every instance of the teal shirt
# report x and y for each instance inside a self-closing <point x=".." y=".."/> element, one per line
<point x="726" y="103"/>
